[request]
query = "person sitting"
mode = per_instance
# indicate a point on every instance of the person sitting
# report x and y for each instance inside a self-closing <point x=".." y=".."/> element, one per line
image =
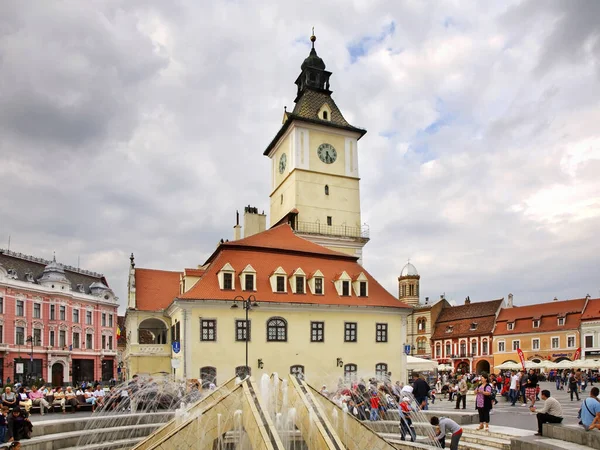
<point x="71" y="399"/>
<point x="18" y="425"/>
<point x="89" y="397"/>
<point x="99" y="394"/>
<point x="444" y="426"/>
<point x="37" y="399"/>
<point x="551" y="413"/>
<point x="59" y="399"/>
<point x="590" y="410"/>
<point x="79" y="391"/>
<point x="3" y="424"/>
<point x="24" y="400"/>
<point x="9" y="398"/>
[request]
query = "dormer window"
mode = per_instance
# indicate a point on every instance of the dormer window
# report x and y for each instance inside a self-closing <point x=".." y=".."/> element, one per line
<point x="315" y="283"/>
<point x="298" y="282"/>
<point x="536" y="323"/>
<point x="280" y="283"/>
<point x="360" y="285"/>
<point x="226" y="278"/>
<point x="324" y="112"/>
<point x="325" y="117"/>
<point x="345" y="288"/>
<point x="561" y="321"/>
<point x="449" y="329"/>
<point x="248" y="278"/>
<point x="473" y="326"/>
<point x="228" y="281"/>
<point x="342" y="284"/>
<point x="510" y="326"/>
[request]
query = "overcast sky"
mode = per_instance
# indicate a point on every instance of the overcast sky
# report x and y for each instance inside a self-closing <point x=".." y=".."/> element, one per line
<point x="139" y="126"/>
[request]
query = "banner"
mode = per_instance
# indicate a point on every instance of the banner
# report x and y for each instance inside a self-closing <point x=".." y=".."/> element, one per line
<point x="577" y="354"/>
<point x="521" y="357"/>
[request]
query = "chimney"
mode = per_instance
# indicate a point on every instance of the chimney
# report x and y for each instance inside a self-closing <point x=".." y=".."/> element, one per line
<point x="237" y="229"/>
<point x="254" y="222"/>
<point x="587" y="296"/>
<point x="467" y="300"/>
<point x="509" y="303"/>
<point x="426" y="300"/>
<point x="555" y="299"/>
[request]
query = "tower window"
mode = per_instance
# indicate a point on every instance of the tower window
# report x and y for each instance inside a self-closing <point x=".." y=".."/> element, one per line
<point x="329" y="220"/>
<point x="326" y="186"/>
<point x="325" y="115"/>
<point x="282" y="199"/>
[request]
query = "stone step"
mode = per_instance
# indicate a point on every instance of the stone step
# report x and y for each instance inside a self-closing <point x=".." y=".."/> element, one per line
<point x="544" y="443"/>
<point x="491" y="442"/>
<point x="59" y="441"/>
<point x="123" y="444"/>
<point x="65" y="425"/>
<point x="467" y="442"/>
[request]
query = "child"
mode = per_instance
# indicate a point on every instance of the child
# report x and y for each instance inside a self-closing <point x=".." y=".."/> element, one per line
<point x="374" y="406"/>
<point x="3" y="424"/>
<point x="405" y="421"/>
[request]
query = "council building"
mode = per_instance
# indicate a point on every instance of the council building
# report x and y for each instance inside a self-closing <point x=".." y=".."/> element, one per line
<point x="293" y="298"/>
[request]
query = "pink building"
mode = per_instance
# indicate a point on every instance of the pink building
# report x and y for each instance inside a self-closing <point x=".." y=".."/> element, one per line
<point x="56" y="322"/>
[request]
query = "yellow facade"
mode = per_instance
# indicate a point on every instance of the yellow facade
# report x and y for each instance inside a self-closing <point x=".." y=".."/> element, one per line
<point x="536" y="346"/>
<point x="319" y="360"/>
<point x="145" y="359"/>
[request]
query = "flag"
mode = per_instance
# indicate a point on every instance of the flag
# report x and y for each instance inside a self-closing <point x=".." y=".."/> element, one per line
<point x="118" y="331"/>
<point x="521" y="357"/>
<point x="577" y="354"/>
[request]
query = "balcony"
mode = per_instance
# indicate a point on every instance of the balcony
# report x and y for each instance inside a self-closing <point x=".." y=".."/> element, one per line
<point x="332" y="230"/>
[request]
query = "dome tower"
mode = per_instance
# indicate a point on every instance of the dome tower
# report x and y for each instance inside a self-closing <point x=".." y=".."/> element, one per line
<point x="408" y="285"/>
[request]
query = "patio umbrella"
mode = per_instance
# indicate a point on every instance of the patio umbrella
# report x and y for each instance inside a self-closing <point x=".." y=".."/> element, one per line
<point x="444" y="367"/>
<point x="545" y="364"/>
<point x="508" y="365"/>
<point x="564" y="364"/>
<point x="589" y="364"/>
<point x="532" y="365"/>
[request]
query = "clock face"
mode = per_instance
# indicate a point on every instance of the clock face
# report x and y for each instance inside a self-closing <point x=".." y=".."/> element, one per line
<point x="327" y="153"/>
<point x="282" y="162"/>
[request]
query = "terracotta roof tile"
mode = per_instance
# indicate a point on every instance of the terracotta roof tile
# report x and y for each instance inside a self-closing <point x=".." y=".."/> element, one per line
<point x="310" y="102"/>
<point x="471" y="311"/>
<point x="155" y="289"/>
<point x="522" y="317"/>
<point x="277" y="247"/>
<point x="462" y="328"/>
<point x="592" y="310"/>
<point x="194" y="272"/>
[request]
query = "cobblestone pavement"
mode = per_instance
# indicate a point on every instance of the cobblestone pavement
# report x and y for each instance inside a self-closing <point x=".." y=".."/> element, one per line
<point x="519" y="416"/>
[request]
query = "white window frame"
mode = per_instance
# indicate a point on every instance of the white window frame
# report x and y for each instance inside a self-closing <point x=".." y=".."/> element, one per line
<point x="248" y="270"/>
<point x="536" y="323"/>
<point x="339" y="284"/>
<point x="564" y="319"/>
<point x="574" y="341"/>
<point x="227" y="268"/>
<point x="311" y="282"/>
<point x="73" y="315"/>
<point x="503" y="342"/>
<point x="446" y="355"/>
<point x="585" y="336"/>
<point x="356" y="284"/>
<point x="510" y="326"/>
<point x="476" y="352"/>
<point x="533" y="347"/>
<point x="41" y="310"/>
<point x="88" y="310"/>
<point x="513" y="344"/>
<point x="279" y="272"/>
<point x="292" y="280"/>
<point x="24" y="307"/>
<point x="552" y="340"/>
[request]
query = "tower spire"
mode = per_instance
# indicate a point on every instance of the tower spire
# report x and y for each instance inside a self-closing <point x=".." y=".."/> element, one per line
<point x="313" y="38"/>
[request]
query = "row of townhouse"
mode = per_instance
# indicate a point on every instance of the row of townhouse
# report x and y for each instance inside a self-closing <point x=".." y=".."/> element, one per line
<point x="478" y="336"/>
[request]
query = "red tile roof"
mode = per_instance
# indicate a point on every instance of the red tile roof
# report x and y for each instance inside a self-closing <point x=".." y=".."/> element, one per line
<point x="547" y="313"/>
<point x="592" y="310"/>
<point x="194" y="272"/>
<point x="155" y="289"/>
<point x="460" y="318"/>
<point x="279" y="246"/>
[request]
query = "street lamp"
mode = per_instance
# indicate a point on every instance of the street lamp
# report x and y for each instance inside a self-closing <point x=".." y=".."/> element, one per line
<point x="30" y="340"/>
<point x="247" y="304"/>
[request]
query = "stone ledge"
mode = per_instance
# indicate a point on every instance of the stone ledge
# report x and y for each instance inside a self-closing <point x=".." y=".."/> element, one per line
<point x="572" y="433"/>
<point x="544" y="443"/>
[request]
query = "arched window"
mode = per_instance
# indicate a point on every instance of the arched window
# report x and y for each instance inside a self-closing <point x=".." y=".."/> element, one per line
<point x="422" y="325"/>
<point x="241" y="371"/>
<point x="152" y="331"/>
<point x="474" y="347"/>
<point x="276" y="330"/>
<point x="297" y="371"/>
<point x="350" y="371"/>
<point x="463" y="349"/>
<point x="381" y="371"/>
<point x="438" y="350"/>
<point x="208" y="375"/>
<point x="484" y="347"/>
<point x="448" y="349"/>
<point x="326" y="186"/>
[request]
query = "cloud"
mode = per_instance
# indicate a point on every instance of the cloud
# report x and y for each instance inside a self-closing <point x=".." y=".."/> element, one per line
<point x="139" y="127"/>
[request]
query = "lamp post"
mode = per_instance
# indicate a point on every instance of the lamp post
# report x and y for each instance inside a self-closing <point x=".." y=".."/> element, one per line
<point x="247" y="304"/>
<point x="30" y="340"/>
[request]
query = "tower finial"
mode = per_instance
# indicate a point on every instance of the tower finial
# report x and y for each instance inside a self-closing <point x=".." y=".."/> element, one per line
<point x="54" y="256"/>
<point x="313" y="38"/>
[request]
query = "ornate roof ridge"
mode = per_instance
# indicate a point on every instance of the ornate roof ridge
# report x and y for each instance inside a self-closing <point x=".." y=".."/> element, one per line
<point x="46" y="262"/>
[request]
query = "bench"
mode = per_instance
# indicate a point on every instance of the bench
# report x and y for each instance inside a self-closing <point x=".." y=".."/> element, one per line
<point x="575" y="434"/>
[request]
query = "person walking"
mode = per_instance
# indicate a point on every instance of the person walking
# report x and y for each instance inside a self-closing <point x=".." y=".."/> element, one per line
<point x="523" y="386"/>
<point x="445" y="426"/>
<point x="406" y="426"/>
<point x="531" y="389"/>
<point x="573" y="388"/>
<point x="421" y="391"/>
<point x="462" y="392"/>
<point x="483" y="401"/>
<point x="550" y="413"/>
<point x="513" y="393"/>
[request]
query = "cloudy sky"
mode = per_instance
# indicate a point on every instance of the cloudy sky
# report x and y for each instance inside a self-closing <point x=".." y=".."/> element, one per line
<point x="139" y="126"/>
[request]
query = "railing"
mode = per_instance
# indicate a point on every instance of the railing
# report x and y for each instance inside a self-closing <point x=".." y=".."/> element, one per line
<point x="332" y="230"/>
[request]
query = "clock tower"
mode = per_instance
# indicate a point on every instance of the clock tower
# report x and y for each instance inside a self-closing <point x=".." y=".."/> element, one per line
<point x="314" y="166"/>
